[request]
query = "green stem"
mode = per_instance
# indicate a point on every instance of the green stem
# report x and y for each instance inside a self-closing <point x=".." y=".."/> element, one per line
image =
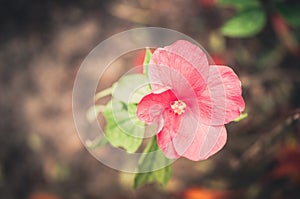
<point x="103" y="93"/>
<point x="93" y="112"/>
<point x="148" y="55"/>
<point x="96" y="143"/>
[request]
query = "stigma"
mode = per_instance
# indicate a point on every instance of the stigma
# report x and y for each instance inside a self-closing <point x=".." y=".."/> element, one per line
<point x="178" y="107"/>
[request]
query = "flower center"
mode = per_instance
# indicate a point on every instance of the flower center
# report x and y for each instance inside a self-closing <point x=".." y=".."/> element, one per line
<point x="178" y="107"/>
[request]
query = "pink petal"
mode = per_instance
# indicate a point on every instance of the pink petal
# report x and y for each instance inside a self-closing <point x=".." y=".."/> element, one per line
<point x="222" y="101"/>
<point x="151" y="108"/>
<point x="187" y="131"/>
<point x="192" y="54"/>
<point x="182" y="137"/>
<point x="169" y="151"/>
<point x="178" y="133"/>
<point x="181" y="67"/>
<point x="155" y="109"/>
<point x="208" y="141"/>
<point x="166" y="135"/>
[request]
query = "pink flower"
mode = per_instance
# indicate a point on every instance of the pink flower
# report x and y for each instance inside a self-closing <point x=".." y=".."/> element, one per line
<point x="190" y="101"/>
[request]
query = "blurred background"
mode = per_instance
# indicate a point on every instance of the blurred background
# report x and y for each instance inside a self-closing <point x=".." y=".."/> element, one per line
<point x="42" y="44"/>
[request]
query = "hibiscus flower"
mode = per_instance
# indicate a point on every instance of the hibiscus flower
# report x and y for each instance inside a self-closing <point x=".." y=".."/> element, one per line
<point x="190" y="101"/>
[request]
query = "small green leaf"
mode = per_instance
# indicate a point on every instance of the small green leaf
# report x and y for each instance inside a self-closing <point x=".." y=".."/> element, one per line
<point x="131" y="88"/>
<point x="291" y="13"/>
<point x="147" y="59"/>
<point x="240" y="4"/>
<point x="241" y="117"/>
<point x="122" y="127"/>
<point x="151" y="162"/>
<point x="245" y="24"/>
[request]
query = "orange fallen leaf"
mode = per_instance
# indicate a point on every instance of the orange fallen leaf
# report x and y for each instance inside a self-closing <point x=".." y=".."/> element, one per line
<point x="203" y="193"/>
<point x="43" y="195"/>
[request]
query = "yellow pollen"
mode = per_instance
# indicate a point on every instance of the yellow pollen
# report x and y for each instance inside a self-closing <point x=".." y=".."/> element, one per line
<point x="178" y="107"/>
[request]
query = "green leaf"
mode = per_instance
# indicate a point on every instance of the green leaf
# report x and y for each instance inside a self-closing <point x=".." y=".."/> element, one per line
<point x="122" y="128"/>
<point x="131" y="88"/>
<point x="240" y="4"/>
<point x="241" y="117"/>
<point x="125" y="116"/>
<point x="291" y="13"/>
<point x="245" y="24"/>
<point x="153" y="162"/>
<point x="147" y="59"/>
